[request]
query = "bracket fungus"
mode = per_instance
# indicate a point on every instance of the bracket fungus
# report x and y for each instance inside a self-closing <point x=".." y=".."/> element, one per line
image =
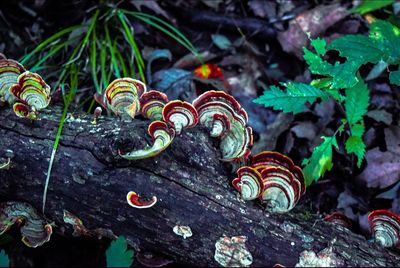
<point x="232" y="252"/>
<point x="226" y="119"/>
<point x="35" y="231"/>
<point x="183" y="231"/>
<point x="385" y="226"/>
<point x="274" y="179"/>
<point x="152" y="104"/>
<point x="180" y="115"/>
<point x="32" y="94"/>
<point x="122" y="96"/>
<point x="5" y="165"/>
<point x="340" y="219"/>
<point x="9" y="72"/>
<point x="133" y="200"/>
<point x="162" y="137"/>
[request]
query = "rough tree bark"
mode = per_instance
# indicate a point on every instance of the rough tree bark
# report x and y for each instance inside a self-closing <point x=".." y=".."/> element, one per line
<point x="192" y="186"/>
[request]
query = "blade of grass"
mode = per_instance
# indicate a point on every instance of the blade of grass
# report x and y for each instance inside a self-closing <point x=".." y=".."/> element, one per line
<point x="131" y="40"/>
<point x="53" y="51"/>
<point x="120" y="59"/>
<point x="87" y="36"/>
<point x="93" y="61"/>
<point x="112" y="53"/>
<point x="49" y="40"/>
<point x="172" y="32"/>
<point x="103" y="57"/>
<point x="67" y="102"/>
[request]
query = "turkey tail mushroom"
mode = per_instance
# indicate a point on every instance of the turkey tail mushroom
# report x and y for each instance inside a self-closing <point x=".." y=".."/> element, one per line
<point x="162" y="137"/>
<point x="10" y="70"/>
<point x="35" y="231"/>
<point x="223" y="115"/>
<point x="152" y="104"/>
<point x="122" y="96"/>
<point x="32" y="95"/>
<point x="385" y="226"/>
<point x="180" y="115"/>
<point x="274" y="179"/>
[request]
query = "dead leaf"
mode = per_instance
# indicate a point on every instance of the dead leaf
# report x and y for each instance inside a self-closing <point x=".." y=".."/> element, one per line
<point x="314" y="21"/>
<point x="305" y="130"/>
<point x="381" y="116"/>
<point x="262" y="8"/>
<point x="152" y="5"/>
<point x="383" y="168"/>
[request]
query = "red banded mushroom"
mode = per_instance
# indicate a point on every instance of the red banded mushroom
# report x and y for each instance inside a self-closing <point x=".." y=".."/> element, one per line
<point x="274" y="179"/>
<point x="9" y="72"/>
<point x="32" y="91"/>
<point x="24" y="111"/>
<point x="152" y="104"/>
<point x="133" y="200"/>
<point x="225" y="118"/>
<point x="340" y="219"/>
<point x="385" y="226"/>
<point x="180" y="115"/>
<point x="122" y="96"/>
<point x="162" y="137"/>
<point x="35" y="231"/>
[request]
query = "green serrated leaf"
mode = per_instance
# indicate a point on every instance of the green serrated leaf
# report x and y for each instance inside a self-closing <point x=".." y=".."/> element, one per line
<point x="356" y="145"/>
<point x="371" y="5"/>
<point x="343" y="74"/>
<point x="118" y="255"/>
<point x="4" y="261"/>
<point x="293" y="99"/>
<point x="320" y="160"/>
<point x="394" y="77"/>
<point x="386" y="37"/>
<point x="357" y="47"/>
<point x="356" y="103"/>
<point x="319" y="45"/>
<point x="358" y="129"/>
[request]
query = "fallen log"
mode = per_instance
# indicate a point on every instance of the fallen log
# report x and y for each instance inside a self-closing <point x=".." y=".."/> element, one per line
<point x="91" y="181"/>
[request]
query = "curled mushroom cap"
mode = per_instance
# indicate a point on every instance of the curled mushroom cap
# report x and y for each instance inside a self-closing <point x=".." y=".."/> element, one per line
<point x="226" y="119"/>
<point x="340" y="219"/>
<point x="152" y="104"/>
<point x="162" y="137"/>
<point x="35" y="231"/>
<point x="269" y="158"/>
<point x="385" y="226"/>
<point x="122" y="96"/>
<point x="274" y="179"/>
<point x="9" y="72"/>
<point x="31" y="90"/>
<point x="218" y="102"/>
<point x="180" y="114"/>
<point x="133" y="200"/>
<point x="22" y="110"/>
<point x="249" y="183"/>
<point x="281" y="190"/>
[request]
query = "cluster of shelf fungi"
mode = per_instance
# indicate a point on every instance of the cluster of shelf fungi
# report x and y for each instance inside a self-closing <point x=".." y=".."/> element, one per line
<point x="270" y="177"/>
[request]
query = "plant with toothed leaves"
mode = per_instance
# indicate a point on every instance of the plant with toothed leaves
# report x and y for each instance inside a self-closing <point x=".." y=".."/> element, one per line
<point x="379" y="48"/>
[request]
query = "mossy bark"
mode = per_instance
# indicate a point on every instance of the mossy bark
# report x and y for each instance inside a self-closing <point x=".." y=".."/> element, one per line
<point x="90" y="180"/>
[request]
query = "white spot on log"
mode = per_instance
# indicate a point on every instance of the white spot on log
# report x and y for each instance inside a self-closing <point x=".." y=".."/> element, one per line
<point x="183" y="231"/>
